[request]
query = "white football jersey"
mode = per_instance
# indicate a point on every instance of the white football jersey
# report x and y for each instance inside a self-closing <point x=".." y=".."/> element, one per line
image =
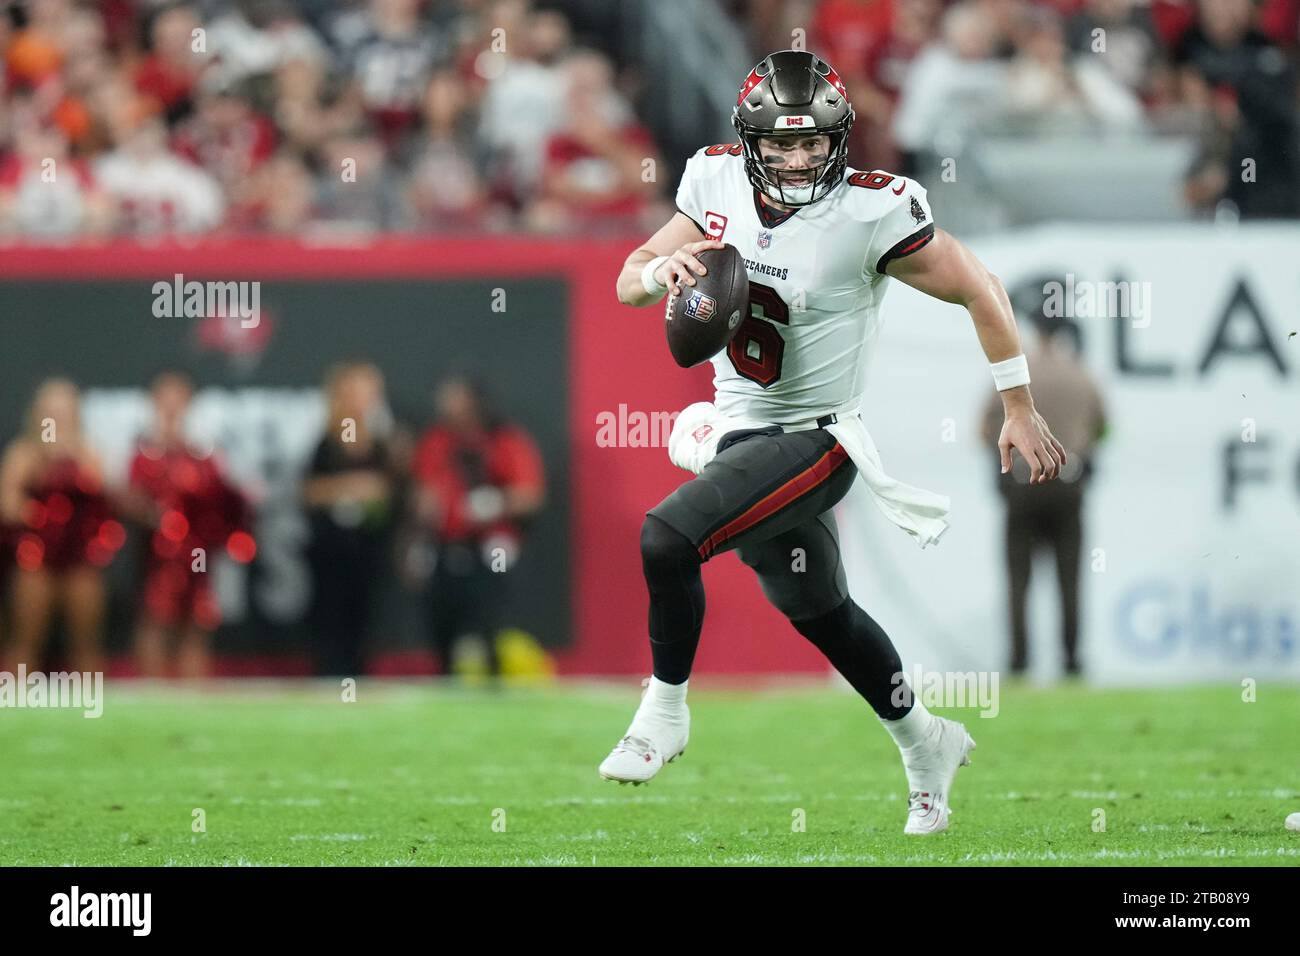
<point x="815" y="284"/>
<point x="161" y="194"/>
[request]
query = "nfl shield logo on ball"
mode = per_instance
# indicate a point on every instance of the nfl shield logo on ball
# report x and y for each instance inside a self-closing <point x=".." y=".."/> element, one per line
<point x="700" y="306"/>
<point x="764" y="239"/>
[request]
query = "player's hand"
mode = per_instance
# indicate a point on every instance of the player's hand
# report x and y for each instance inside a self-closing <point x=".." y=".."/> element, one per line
<point x="1026" y="431"/>
<point x="682" y="267"/>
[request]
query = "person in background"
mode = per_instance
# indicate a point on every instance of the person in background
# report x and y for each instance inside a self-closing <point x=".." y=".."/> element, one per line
<point x="1133" y="54"/>
<point x="1050" y="515"/>
<point x="388" y="50"/>
<point x="845" y="30"/>
<point x="192" y="512"/>
<point x="254" y="38"/>
<point x="170" y="71"/>
<point x="913" y="27"/>
<point x="478" y="480"/>
<point x="1051" y="88"/>
<point x="230" y="141"/>
<point x="153" y="191"/>
<point x="34" y="200"/>
<point x="349" y="493"/>
<point x="1244" y="88"/>
<point x="372" y="201"/>
<point x="593" y="174"/>
<point x="36" y="53"/>
<point x="952" y="86"/>
<point x="53" y="503"/>
<point x="446" y="190"/>
<point x="523" y="97"/>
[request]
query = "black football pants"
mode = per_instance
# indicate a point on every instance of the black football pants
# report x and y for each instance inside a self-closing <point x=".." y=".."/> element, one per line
<point x="767" y="494"/>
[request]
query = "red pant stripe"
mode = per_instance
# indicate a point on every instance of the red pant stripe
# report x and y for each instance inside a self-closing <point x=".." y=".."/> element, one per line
<point x="798" y="486"/>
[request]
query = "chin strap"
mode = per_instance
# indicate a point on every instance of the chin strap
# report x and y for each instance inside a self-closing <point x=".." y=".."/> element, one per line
<point x="814" y="196"/>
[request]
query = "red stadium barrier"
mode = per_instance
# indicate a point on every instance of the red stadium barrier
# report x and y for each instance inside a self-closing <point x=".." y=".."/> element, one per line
<point x="621" y="370"/>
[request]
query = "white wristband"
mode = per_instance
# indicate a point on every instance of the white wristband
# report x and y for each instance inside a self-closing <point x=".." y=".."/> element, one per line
<point x="1010" y="373"/>
<point x="648" y="280"/>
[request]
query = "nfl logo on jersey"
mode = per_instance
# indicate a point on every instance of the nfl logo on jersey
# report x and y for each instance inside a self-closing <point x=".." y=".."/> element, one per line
<point x="764" y="239"/>
<point x="700" y="306"/>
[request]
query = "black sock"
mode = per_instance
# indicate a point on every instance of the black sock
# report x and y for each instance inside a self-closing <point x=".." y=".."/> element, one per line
<point x="861" y="651"/>
<point x="672" y="573"/>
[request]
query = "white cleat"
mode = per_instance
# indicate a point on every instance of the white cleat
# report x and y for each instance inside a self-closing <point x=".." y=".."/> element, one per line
<point x="931" y="766"/>
<point x="652" y="741"/>
<point x="636" y="759"/>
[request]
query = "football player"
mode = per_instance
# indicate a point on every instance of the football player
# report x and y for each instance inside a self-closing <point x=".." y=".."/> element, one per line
<point x="821" y="242"/>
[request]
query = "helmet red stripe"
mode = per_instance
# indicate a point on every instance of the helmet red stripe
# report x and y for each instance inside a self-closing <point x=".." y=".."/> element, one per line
<point x="751" y="81"/>
<point x="834" y="80"/>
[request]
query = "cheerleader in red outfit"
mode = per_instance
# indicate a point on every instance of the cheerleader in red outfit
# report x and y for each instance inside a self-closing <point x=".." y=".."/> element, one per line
<point x="61" y="531"/>
<point x="192" y="513"/>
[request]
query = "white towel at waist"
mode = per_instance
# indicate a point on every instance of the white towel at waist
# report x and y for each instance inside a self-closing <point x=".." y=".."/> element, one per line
<point x="922" y="514"/>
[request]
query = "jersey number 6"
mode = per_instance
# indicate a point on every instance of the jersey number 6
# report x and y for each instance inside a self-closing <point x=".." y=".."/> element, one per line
<point x="757" y="349"/>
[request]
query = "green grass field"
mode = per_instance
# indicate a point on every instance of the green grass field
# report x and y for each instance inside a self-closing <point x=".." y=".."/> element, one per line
<point x="418" y="774"/>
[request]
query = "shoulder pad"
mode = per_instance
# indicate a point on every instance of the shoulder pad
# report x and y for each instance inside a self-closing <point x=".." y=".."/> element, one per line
<point x="873" y="193"/>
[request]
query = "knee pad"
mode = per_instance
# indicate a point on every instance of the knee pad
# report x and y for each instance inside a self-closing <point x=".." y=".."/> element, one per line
<point x="663" y="547"/>
<point x="825" y="628"/>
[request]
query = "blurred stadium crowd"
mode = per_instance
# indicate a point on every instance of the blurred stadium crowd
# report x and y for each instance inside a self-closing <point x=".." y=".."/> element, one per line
<point x="140" y="117"/>
<point x="1222" y="72"/>
<point x="263" y="115"/>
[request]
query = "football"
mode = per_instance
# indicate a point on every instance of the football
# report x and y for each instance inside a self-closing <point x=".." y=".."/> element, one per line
<point x="704" y="318"/>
